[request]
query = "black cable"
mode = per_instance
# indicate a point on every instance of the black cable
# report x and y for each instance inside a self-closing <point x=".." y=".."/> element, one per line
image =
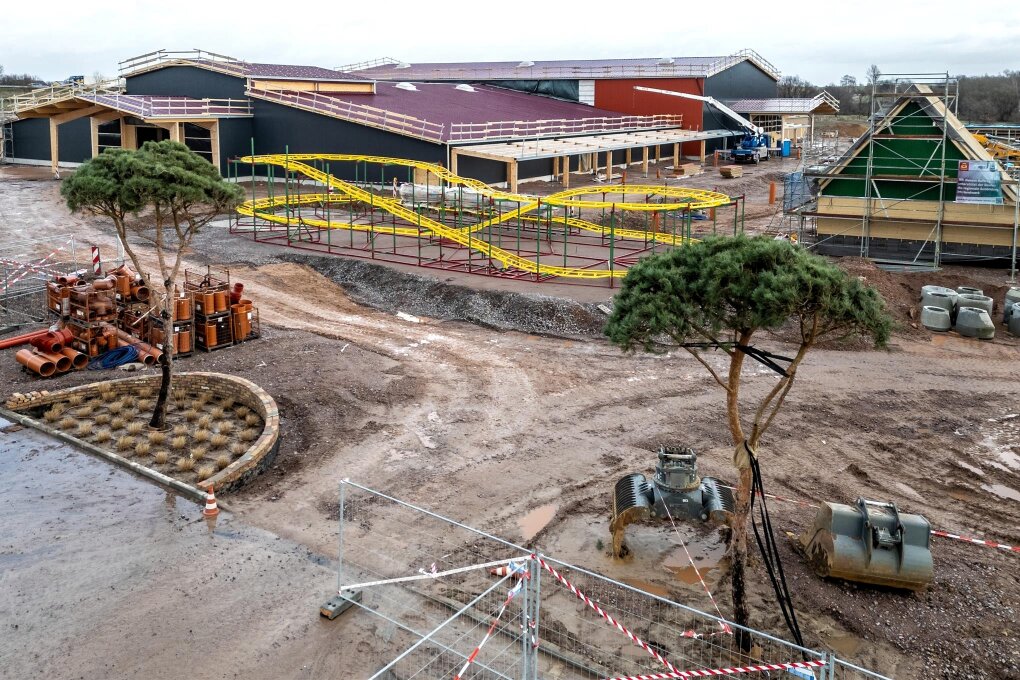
<point x="770" y="551"/>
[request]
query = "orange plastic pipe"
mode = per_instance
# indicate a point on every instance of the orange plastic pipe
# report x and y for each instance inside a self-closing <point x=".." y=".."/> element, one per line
<point x="35" y="363"/>
<point x="62" y="363"/>
<point x="78" y="360"/>
<point x="21" y="339"/>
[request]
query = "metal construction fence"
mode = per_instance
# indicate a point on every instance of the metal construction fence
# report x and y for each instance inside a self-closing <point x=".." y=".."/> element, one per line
<point x="27" y="265"/>
<point x="458" y="602"/>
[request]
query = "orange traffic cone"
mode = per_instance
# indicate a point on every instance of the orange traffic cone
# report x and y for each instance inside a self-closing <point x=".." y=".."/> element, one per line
<point x="503" y="571"/>
<point x="210" y="504"/>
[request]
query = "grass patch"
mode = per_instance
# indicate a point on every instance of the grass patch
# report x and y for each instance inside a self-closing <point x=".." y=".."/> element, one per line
<point x="185" y="464"/>
<point x="252" y="419"/>
<point x="134" y="427"/>
<point x="248" y="435"/>
<point x="67" y="423"/>
<point x="237" y="448"/>
<point x="156" y="437"/>
<point x="102" y="436"/>
<point x="118" y="423"/>
<point x="222" y="461"/>
<point x="143" y="448"/>
<point x="125" y="442"/>
<point x="76" y="400"/>
<point x="205" y="472"/>
<point x="179" y="442"/>
<point x="201" y="436"/>
<point x="199" y="452"/>
<point x="53" y="415"/>
<point x="103" y="418"/>
<point x="218" y="440"/>
<point x="225" y="426"/>
<point x="161" y="457"/>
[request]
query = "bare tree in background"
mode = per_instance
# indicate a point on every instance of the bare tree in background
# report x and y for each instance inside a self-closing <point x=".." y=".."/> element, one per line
<point x="873" y="74"/>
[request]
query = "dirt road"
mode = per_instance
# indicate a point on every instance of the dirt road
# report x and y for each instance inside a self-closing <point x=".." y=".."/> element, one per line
<point x="486" y="426"/>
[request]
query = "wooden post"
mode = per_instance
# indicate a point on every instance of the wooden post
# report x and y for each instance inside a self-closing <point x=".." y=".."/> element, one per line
<point x="128" y="135"/>
<point x="676" y="157"/>
<point x="701" y="152"/>
<point x="453" y="161"/>
<point x="566" y="172"/>
<point x="644" y="161"/>
<point x="94" y="135"/>
<point x="628" y="159"/>
<point x="556" y="167"/>
<point x="214" y="143"/>
<point x="54" y="146"/>
<point x="658" y="153"/>
<point x="512" y="176"/>
<point x="609" y="165"/>
<point x="175" y="132"/>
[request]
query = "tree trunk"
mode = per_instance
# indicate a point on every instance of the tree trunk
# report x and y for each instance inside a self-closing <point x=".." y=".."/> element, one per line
<point x="166" y="364"/>
<point x="742" y="505"/>
<point x="738" y="556"/>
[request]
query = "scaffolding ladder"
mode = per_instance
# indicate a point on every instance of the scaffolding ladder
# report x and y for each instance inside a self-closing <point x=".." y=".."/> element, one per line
<point x="6" y="139"/>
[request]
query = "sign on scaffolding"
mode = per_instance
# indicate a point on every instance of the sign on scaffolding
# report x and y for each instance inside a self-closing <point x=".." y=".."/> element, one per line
<point x="979" y="182"/>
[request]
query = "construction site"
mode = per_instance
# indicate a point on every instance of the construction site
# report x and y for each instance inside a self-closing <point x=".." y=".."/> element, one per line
<point x="398" y="443"/>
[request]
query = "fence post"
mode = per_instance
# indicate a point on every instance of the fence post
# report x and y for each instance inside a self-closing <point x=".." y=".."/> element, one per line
<point x="830" y="668"/>
<point x="340" y="540"/>
<point x="535" y="570"/>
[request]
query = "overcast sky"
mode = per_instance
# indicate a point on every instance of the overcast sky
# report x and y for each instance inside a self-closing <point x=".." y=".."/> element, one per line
<point x="819" y="40"/>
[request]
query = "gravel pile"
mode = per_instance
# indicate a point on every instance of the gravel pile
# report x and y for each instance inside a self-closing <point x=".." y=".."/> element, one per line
<point x="396" y="291"/>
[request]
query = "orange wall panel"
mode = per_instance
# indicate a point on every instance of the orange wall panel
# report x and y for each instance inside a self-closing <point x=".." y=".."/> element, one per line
<point x="620" y="95"/>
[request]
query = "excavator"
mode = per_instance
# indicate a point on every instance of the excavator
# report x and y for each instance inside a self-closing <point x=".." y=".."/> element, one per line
<point x="1001" y="149"/>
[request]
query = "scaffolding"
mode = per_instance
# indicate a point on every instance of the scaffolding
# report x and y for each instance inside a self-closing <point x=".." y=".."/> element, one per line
<point x="897" y="182"/>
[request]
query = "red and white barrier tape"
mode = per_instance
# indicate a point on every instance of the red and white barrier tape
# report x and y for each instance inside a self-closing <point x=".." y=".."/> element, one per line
<point x="975" y="541"/>
<point x="8" y="284"/>
<point x="488" y="633"/>
<point x="96" y="263"/>
<point x="605" y="615"/>
<point x="707" y="673"/>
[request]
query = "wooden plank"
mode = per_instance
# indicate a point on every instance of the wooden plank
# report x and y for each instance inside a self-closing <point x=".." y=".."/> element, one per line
<point x="79" y="113"/>
<point x="566" y="172"/>
<point x="214" y="144"/>
<point x="454" y="153"/>
<point x="644" y="161"/>
<point x="54" y="147"/>
<point x="512" y="178"/>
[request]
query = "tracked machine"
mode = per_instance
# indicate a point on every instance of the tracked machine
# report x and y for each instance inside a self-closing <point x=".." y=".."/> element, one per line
<point x="675" y="491"/>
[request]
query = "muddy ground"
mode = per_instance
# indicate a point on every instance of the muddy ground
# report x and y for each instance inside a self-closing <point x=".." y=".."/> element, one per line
<point x="463" y="414"/>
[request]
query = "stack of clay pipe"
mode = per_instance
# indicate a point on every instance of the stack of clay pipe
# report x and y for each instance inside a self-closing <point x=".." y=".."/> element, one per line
<point x="49" y="354"/>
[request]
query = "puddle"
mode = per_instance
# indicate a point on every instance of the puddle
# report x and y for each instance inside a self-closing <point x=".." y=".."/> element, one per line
<point x="845" y="645"/>
<point x="661" y="591"/>
<point x="972" y="468"/>
<point x="537" y="519"/>
<point x="1002" y="491"/>
<point x="707" y="556"/>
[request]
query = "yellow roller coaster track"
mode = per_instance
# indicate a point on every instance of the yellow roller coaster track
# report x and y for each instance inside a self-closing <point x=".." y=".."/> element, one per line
<point x="679" y="198"/>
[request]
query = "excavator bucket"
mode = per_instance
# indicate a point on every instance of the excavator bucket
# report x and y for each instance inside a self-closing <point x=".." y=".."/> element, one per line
<point x="870" y="542"/>
<point x="632" y="502"/>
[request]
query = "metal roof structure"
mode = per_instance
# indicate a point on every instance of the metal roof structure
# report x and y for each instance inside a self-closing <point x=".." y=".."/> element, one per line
<point x="822" y="103"/>
<point x="653" y="67"/>
<point x="533" y="149"/>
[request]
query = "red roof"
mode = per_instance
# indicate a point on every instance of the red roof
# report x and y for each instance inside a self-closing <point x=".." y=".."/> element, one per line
<point x="443" y="103"/>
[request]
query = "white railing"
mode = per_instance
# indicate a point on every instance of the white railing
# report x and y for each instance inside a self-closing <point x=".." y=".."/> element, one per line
<point x="580" y="71"/>
<point x="58" y="92"/>
<point x="531" y="129"/>
<point x="160" y="58"/>
<point x="737" y="57"/>
<point x="357" y="113"/>
<point x="362" y="65"/>
<point x="173" y="107"/>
